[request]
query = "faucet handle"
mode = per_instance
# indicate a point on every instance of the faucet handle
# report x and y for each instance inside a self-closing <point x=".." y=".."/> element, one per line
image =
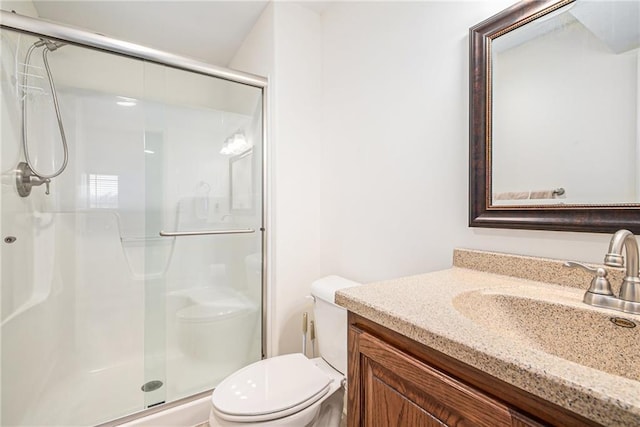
<point x="597" y="271"/>
<point x="599" y="284"/>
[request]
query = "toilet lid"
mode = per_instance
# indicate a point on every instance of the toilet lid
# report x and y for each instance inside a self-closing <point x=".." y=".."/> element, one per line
<point x="271" y="387"/>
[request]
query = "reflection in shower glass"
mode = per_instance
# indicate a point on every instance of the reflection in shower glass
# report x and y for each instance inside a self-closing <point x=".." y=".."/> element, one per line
<point x="103" y="191"/>
<point x="102" y="317"/>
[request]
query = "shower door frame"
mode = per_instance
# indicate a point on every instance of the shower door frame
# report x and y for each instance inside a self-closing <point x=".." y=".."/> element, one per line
<point x="79" y="37"/>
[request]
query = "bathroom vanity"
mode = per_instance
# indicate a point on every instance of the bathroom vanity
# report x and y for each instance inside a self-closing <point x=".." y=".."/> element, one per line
<point x="397" y="381"/>
<point x="497" y="340"/>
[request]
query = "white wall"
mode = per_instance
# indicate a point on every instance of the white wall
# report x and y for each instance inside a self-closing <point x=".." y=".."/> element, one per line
<point x="285" y="44"/>
<point x="395" y="146"/>
<point x="23" y="7"/>
<point x="383" y="192"/>
<point x="296" y="167"/>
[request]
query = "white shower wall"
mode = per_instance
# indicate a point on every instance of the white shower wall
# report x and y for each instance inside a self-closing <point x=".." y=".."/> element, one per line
<point x="23" y="286"/>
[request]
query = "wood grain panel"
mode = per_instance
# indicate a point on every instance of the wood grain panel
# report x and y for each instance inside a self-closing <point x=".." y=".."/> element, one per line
<point x="390" y="408"/>
<point x="448" y="400"/>
<point x="354" y="387"/>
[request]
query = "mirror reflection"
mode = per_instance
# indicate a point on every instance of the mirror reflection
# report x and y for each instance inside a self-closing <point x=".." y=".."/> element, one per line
<point x="565" y="107"/>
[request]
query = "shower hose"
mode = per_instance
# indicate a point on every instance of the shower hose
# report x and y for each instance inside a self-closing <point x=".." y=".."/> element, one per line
<point x="48" y="46"/>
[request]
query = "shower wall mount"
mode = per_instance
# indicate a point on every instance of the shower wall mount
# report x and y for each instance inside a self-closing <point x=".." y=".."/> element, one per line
<point x="27" y="179"/>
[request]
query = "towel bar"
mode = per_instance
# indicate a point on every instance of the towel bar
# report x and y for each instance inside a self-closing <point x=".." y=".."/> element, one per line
<point x="205" y="232"/>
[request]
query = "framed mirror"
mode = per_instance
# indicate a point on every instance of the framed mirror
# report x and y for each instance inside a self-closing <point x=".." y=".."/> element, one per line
<point x="554" y="107"/>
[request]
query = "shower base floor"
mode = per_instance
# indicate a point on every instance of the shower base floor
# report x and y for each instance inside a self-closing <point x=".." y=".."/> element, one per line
<point x="90" y="398"/>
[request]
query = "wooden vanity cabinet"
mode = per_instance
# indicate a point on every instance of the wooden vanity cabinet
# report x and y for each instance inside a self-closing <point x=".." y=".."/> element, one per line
<point x="394" y="381"/>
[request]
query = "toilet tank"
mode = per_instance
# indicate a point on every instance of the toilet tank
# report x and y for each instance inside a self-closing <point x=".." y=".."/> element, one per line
<point x="331" y="320"/>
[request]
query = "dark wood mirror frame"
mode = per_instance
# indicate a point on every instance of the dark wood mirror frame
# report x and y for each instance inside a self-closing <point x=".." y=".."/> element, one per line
<point x="586" y="218"/>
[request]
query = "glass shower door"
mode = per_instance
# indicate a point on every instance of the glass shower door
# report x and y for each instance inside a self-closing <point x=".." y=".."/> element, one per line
<point x="203" y="213"/>
<point x="103" y="316"/>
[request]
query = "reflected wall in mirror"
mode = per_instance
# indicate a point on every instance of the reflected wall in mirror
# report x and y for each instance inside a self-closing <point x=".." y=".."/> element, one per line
<point x="241" y="182"/>
<point x="554" y="136"/>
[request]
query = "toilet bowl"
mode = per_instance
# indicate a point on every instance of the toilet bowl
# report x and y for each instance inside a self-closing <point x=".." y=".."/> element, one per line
<point x="292" y="390"/>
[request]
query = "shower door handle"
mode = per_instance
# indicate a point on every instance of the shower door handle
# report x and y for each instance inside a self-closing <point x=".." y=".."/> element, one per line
<point x="206" y="232"/>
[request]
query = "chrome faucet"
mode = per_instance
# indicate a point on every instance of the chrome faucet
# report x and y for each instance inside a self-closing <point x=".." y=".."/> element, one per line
<point x="599" y="293"/>
<point x="630" y="290"/>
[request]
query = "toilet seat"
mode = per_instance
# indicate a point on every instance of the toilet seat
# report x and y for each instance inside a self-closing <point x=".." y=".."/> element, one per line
<point x="270" y="389"/>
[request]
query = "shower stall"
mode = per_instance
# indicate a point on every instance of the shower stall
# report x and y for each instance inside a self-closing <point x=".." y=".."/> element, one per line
<point x="132" y="225"/>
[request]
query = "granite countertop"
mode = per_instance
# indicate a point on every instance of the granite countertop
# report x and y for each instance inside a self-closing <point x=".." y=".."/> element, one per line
<point x="441" y="311"/>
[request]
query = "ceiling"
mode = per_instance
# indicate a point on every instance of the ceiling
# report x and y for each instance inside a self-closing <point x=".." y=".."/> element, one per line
<point x="616" y="23"/>
<point x="210" y="31"/>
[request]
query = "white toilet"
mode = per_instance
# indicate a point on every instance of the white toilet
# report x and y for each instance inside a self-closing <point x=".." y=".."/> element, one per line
<point x="292" y="390"/>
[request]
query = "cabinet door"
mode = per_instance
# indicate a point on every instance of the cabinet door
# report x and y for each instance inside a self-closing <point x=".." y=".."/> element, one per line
<point x="385" y="406"/>
<point x="398" y="390"/>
